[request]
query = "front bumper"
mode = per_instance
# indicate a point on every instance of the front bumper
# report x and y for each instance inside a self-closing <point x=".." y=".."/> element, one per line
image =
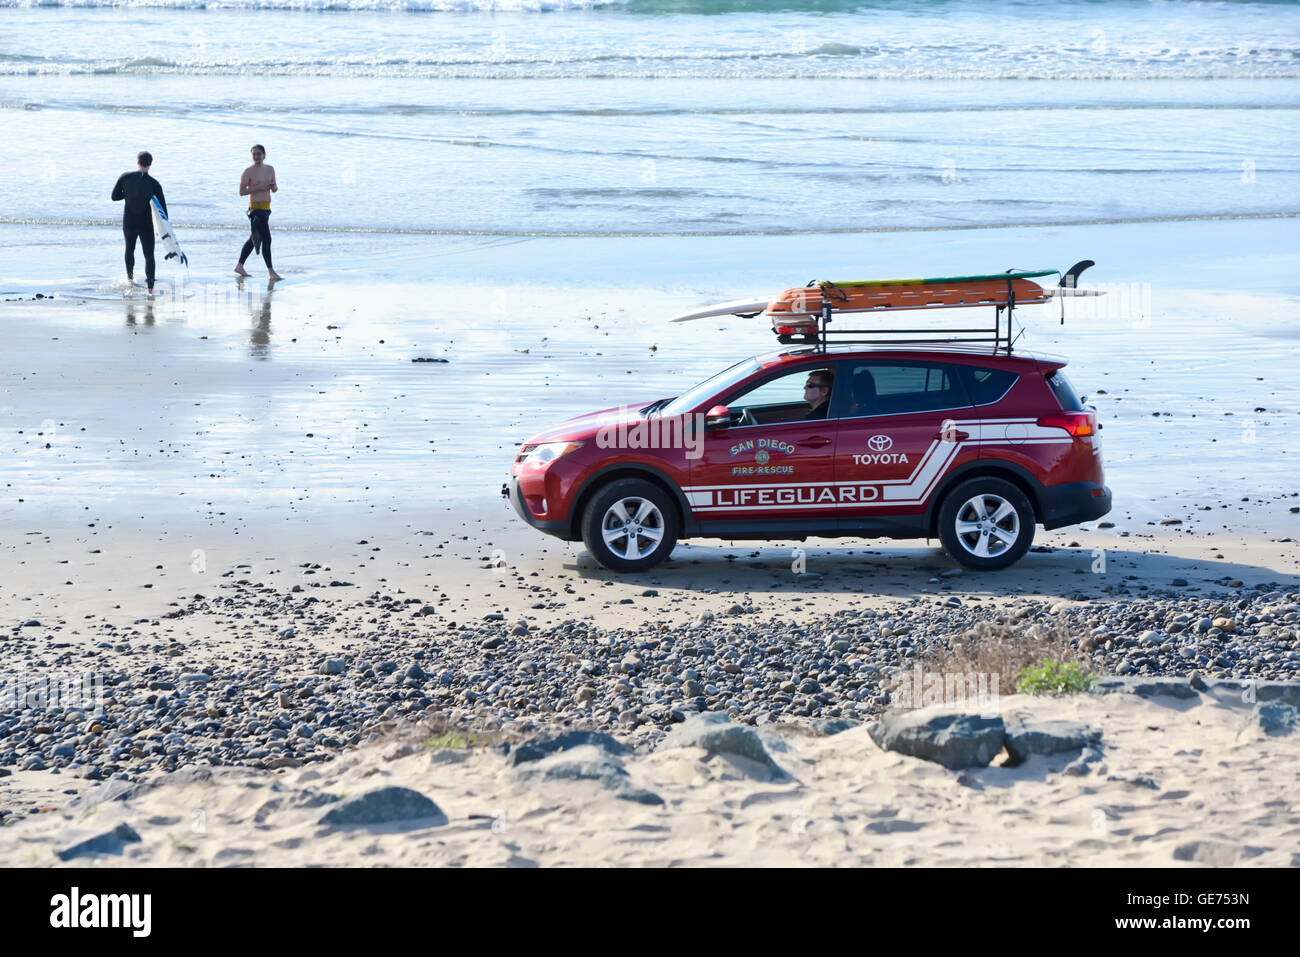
<point x="1072" y="503"/>
<point x="510" y="490"/>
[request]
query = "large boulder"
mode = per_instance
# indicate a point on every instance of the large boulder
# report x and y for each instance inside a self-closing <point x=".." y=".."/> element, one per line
<point x="534" y="749"/>
<point x="1026" y="736"/>
<point x="1147" y="687"/>
<point x="954" y="740"/>
<point x="388" y="805"/>
<point x="1275" y="717"/>
<point x="718" y="734"/>
<point x="585" y="763"/>
<point x="110" y="842"/>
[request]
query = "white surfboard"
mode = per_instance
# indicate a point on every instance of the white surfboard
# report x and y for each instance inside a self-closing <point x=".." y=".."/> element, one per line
<point x="1062" y="292"/>
<point x="163" y="233"/>
<point x="737" y="307"/>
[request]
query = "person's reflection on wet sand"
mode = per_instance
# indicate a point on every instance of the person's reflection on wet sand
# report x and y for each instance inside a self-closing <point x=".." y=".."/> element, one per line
<point x="133" y="307"/>
<point x="259" y="336"/>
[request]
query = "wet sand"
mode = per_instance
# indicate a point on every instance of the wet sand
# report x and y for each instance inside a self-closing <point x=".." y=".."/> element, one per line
<point x="287" y="439"/>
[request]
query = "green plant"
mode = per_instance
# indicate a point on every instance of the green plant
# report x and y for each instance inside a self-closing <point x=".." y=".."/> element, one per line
<point x="1053" y="677"/>
<point x="448" y="740"/>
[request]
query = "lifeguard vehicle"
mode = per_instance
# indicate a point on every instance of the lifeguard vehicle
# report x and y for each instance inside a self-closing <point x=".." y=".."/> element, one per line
<point x="856" y="428"/>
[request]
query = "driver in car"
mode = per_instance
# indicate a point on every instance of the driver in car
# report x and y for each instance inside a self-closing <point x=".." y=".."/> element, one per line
<point x="817" y="393"/>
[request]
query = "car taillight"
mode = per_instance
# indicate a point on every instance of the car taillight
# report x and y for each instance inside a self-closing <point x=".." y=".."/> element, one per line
<point x="1076" y="423"/>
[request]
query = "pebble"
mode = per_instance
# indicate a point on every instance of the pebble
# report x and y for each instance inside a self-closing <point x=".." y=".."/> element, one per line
<point x="280" y="705"/>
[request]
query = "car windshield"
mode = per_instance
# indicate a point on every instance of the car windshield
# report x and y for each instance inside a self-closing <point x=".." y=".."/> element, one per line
<point x="710" y="386"/>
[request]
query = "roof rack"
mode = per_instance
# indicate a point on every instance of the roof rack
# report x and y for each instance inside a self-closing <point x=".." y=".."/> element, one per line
<point x="814" y="314"/>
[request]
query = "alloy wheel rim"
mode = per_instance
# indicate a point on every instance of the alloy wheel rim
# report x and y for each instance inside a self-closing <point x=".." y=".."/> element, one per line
<point x="987" y="525"/>
<point x="632" y="528"/>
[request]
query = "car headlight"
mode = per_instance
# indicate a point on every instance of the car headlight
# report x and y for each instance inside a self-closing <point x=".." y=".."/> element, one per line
<point x="548" y="452"/>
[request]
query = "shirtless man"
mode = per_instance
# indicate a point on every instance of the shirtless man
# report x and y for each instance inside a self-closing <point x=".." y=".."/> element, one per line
<point x="258" y="183"/>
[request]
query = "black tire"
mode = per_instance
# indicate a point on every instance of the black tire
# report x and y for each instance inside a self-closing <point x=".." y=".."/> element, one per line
<point x="650" y="533"/>
<point x="981" y="541"/>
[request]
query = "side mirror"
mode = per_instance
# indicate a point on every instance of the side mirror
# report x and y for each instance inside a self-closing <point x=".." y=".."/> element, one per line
<point x="718" y="417"/>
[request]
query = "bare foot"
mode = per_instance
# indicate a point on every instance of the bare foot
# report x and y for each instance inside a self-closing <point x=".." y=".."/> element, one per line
<point x="273" y="275"/>
<point x="239" y="270"/>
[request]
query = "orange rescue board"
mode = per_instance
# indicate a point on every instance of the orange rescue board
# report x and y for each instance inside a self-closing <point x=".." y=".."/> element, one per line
<point x="803" y="305"/>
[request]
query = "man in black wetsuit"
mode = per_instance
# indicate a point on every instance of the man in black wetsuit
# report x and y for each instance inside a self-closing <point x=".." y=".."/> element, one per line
<point x="137" y="189"/>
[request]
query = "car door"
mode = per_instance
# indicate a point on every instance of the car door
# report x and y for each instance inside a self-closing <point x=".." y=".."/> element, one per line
<point x="904" y="425"/>
<point x="772" y="468"/>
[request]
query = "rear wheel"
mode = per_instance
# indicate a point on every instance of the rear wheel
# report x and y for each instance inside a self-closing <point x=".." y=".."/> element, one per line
<point x="630" y="525"/>
<point x="986" y="523"/>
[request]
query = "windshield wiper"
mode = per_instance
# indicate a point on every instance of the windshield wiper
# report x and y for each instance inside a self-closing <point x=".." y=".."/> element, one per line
<point x="654" y="407"/>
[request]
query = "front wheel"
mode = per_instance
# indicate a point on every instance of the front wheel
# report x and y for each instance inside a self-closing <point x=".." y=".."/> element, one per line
<point x="630" y="525"/>
<point x="986" y="523"/>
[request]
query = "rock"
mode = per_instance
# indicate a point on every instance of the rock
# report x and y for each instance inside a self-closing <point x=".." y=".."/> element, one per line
<point x="1224" y="624"/>
<point x="833" y="725"/>
<point x="537" y="748"/>
<point x="1214" y="853"/>
<point x="717" y="734"/>
<point x="586" y="763"/>
<point x="110" y="842"/>
<point x="1146" y="687"/>
<point x="1275" y="717"/>
<point x="198" y="678"/>
<point x="489" y="644"/>
<point x="954" y="740"/>
<point x="1026" y="736"/>
<point x="333" y="666"/>
<point x="1083" y="763"/>
<point x="1151" y="638"/>
<point x="387" y="805"/>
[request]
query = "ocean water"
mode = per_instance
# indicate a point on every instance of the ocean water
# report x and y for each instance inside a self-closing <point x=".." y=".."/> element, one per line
<point x="655" y="117"/>
<point x="529" y="188"/>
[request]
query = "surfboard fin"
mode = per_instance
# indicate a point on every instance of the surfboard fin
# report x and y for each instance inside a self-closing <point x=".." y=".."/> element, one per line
<point x="1070" y="278"/>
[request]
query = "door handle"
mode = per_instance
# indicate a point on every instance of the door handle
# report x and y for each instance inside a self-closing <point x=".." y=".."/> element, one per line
<point x="955" y="435"/>
<point x="816" y="442"/>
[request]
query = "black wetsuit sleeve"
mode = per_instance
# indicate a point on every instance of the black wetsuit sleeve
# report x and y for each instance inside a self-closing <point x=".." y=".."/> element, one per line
<point x="118" y="193"/>
<point x="157" y="191"/>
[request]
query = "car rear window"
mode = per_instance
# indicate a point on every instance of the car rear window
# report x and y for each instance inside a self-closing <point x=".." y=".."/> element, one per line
<point x="885" y="387"/>
<point x="989" y="385"/>
<point x="1063" y="391"/>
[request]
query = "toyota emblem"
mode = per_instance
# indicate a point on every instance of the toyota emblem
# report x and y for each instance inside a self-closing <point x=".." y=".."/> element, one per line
<point x="880" y="443"/>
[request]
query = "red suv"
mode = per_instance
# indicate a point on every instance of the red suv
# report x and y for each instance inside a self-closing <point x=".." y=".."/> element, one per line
<point x="972" y="445"/>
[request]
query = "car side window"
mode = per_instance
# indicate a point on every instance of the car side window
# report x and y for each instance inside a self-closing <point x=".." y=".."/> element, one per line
<point x="782" y="398"/>
<point x="898" y="387"/>
<point x="988" y="385"/>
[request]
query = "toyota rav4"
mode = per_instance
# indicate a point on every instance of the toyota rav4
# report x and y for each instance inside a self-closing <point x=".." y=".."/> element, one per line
<point x="974" y="446"/>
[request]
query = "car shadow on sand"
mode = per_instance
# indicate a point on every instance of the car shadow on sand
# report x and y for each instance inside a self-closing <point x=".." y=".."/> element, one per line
<point x="905" y="571"/>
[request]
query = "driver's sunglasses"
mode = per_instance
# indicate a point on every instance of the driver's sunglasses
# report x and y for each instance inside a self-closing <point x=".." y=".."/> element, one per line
<point x="814" y="385"/>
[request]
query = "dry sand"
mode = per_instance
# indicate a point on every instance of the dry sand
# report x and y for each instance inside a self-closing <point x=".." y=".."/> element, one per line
<point x="1181" y="783"/>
